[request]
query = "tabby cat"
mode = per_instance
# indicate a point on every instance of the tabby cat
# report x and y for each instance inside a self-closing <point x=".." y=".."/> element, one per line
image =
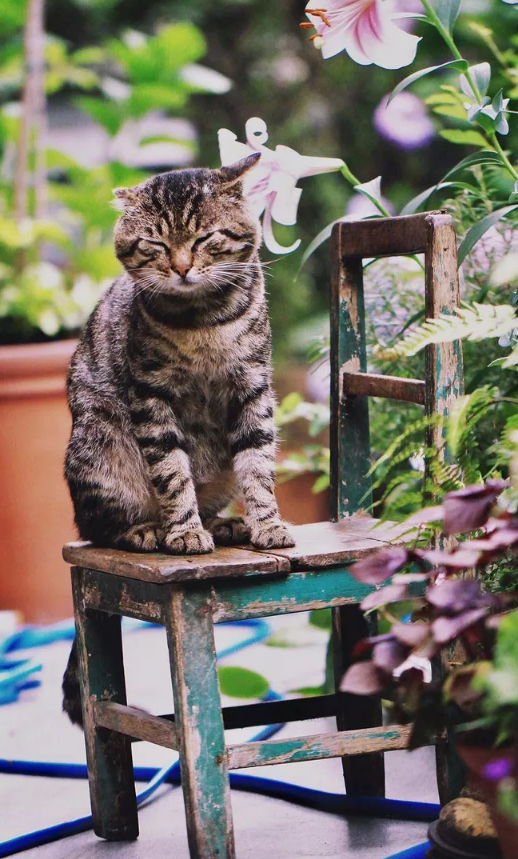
<point x="170" y="386"/>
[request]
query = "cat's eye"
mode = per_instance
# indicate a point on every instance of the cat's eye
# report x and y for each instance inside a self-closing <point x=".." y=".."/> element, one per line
<point x="201" y="239"/>
<point x="156" y="243"/>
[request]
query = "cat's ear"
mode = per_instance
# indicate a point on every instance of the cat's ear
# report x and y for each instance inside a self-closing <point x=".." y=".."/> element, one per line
<point x="234" y="173"/>
<point x="124" y="199"/>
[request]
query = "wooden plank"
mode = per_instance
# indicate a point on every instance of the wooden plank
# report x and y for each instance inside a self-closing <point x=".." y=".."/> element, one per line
<point x="136" y="724"/>
<point x="406" y="234"/>
<point x="128" y="597"/>
<point x="363" y="776"/>
<point x="160" y="568"/>
<point x="443" y="361"/>
<point x="389" y="387"/>
<point x="314" y="747"/>
<point x="296" y="592"/>
<point x="273" y="712"/>
<point x="323" y="544"/>
<point x="108" y="754"/>
<point x="349" y="427"/>
<point x="197" y="706"/>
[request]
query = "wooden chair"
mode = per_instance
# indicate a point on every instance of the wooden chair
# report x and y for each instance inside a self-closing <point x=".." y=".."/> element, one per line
<point x="188" y="595"/>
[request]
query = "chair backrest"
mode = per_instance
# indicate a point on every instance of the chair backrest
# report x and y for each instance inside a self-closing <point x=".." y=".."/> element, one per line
<point x="433" y="234"/>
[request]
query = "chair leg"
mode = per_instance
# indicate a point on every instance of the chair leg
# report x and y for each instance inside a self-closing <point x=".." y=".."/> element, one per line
<point x="108" y="753"/>
<point x="364" y="775"/>
<point x="203" y="760"/>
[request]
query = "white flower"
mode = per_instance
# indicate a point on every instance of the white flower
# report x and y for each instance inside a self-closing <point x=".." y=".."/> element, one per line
<point x="271" y="186"/>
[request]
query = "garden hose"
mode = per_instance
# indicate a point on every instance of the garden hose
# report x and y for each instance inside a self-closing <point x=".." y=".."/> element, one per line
<point x="331" y="802"/>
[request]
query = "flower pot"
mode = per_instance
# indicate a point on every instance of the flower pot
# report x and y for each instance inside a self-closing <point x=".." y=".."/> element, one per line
<point x="36" y="515"/>
<point x="476" y="758"/>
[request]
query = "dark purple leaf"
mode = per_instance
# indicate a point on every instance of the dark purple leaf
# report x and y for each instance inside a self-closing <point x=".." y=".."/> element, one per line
<point x="423" y="517"/>
<point x="459" y="688"/>
<point x="447" y="628"/>
<point x="363" y="678"/>
<point x="389" y="655"/>
<point x="391" y="593"/>
<point x="459" y="559"/>
<point x="411" y="634"/>
<point x="378" y="567"/>
<point x="456" y="595"/>
<point x="469" y="508"/>
<point x="409" y="578"/>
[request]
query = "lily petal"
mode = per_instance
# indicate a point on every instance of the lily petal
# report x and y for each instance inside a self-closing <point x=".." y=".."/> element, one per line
<point x="269" y="239"/>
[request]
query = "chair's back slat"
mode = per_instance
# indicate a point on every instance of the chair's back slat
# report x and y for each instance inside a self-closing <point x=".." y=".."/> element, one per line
<point x="432" y="233"/>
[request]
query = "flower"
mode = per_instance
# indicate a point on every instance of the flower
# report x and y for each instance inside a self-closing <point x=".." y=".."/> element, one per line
<point x="271" y="186"/>
<point x="404" y="121"/>
<point x="365" y="29"/>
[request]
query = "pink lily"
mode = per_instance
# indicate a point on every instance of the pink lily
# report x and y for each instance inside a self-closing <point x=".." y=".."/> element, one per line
<point x="363" y="28"/>
<point x="271" y="187"/>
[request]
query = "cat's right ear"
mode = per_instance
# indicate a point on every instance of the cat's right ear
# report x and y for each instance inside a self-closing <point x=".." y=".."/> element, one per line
<point x="123" y="199"/>
<point x="234" y="173"/>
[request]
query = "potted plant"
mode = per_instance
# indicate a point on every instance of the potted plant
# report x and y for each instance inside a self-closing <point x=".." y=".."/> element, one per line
<point x="454" y="607"/>
<point x="56" y="257"/>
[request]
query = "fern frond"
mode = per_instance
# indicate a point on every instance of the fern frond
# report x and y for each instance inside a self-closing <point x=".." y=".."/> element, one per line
<point x="417" y="426"/>
<point x="473" y="322"/>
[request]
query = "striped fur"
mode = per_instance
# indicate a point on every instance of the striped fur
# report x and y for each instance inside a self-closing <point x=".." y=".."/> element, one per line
<point x="170" y="386"/>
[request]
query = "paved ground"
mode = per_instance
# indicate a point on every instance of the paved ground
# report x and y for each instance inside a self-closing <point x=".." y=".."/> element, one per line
<point x="35" y="729"/>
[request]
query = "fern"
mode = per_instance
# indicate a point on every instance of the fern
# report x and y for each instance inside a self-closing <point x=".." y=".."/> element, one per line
<point x="474" y="322"/>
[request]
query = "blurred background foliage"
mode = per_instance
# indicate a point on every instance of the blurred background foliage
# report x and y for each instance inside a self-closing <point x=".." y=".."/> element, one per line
<point x="136" y="88"/>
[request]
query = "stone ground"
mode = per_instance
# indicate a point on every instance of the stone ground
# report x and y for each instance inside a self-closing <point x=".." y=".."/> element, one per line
<point x="35" y="729"/>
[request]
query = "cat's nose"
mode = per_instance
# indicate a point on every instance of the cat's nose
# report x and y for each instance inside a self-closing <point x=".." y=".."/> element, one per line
<point x="181" y="269"/>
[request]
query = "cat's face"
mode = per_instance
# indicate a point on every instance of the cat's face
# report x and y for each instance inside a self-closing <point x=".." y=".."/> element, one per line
<point x="188" y="231"/>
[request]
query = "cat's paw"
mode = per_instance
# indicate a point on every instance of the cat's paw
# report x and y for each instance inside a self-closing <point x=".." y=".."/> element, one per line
<point x="271" y="535"/>
<point x="194" y="542"/>
<point x="229" y="532"/>
<point x="144" y="537"/>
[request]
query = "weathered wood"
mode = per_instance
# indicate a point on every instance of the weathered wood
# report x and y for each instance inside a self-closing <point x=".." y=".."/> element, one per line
<point x="349" y="427"/>
<point x="136" y="724"/>
<point x="113" y="594"/>
<point x="275" y="712"/>
<point x="362" y="776"/>
<point x="199" y="723"/>
<point x="443" y="361"/>
<point x="159" y="568"/>
<point x="406" y="234"/>
<point x="296" y="592"/>
<point x="295" y="749"/>
<point x="389" y="387"/>
<point x="108" y="754"/>
<point x="325" y="544"/>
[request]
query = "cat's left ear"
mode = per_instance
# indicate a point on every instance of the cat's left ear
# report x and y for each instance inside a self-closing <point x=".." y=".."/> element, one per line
<point x="234" y="173"/>
<point x="124" y="199"/>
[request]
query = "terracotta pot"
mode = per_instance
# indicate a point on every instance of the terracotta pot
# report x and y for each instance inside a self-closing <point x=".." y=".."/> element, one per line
<point x="477" y="757"/>
<point x="35" y="510"/>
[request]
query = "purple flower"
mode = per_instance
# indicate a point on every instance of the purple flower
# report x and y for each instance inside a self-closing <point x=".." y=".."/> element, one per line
<point x="498" y="769"/>
<point x="404" y="121"/>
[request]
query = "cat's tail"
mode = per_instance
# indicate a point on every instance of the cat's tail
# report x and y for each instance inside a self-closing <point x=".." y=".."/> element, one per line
<point x="71" y="689"/>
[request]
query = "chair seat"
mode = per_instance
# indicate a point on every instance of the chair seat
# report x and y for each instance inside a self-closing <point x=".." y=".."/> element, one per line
<point x="318" y="545"/>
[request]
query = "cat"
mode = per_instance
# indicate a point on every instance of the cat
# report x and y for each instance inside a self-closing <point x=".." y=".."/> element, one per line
<point x="170" y="386"/>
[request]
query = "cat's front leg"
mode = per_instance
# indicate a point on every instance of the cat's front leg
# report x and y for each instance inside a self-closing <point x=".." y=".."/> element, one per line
<point x="164" y="450"/>
<point x="252" y="438"/>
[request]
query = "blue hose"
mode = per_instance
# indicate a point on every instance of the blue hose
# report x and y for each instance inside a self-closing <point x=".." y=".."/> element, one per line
<point x="308" y="797"/>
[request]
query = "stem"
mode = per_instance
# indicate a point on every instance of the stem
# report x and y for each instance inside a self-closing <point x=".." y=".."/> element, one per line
<point x="351" y="178"/>
<point x="494" y="140"/>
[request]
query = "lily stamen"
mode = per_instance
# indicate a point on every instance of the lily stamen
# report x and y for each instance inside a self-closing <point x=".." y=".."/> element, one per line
<point x="319" y="13"/>
<point x="306" y="25"/>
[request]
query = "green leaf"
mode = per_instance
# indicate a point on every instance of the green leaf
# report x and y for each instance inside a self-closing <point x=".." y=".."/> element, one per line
<point x="460" y="65"/>
<point x="309" y="691"/>
<point x="241" y="682"/>
<point x="481" y="74"/>
<point x="478" y="230"/>
<point x="109" y="114"/>
<point x="415" y="204"/>
<point x="488" y="156"/>
<point x="452" y="111"/>
<point x="319" y="239"/>
<point x="463" y="136"/>
<point x="321" y="618"/>
<point x="447" y="11"/>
